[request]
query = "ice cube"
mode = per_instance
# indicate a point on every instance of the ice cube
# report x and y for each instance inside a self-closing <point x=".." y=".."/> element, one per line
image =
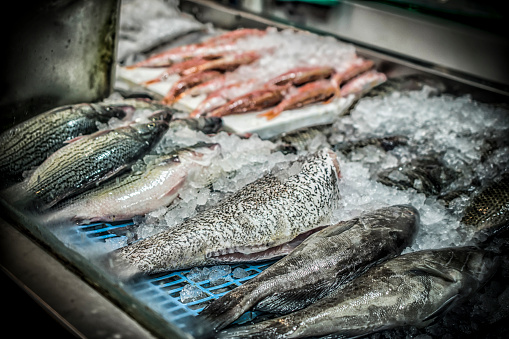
<point x="239" y="273"/>
<point x="191" y="293"/>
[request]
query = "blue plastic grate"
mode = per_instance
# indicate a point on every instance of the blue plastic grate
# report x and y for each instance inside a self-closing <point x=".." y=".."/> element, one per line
<point x="161" y="292"/>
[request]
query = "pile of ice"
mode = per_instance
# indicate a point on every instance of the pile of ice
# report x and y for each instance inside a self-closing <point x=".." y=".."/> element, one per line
<point x="458" y="129"/>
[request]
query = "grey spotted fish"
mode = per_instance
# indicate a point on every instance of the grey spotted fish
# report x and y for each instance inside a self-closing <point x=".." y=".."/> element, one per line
<point x="387" y="143"/>
<point x="255" y="223"/>
<point x="489" y="209"/>
<point x="427" y="174"/>
<point x="138" y="192"/>
<point x="413" y="289"/>
<point x="89" y="160"/>
<point x="319" y="265"/>
<point x="28" y="144"/>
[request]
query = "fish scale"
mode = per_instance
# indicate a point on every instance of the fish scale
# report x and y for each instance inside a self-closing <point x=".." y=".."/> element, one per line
<point x="274" y="210"/>
<point x="29" y="143"/>
<point x="89" y="160"/>
<point x="489" y="209"/>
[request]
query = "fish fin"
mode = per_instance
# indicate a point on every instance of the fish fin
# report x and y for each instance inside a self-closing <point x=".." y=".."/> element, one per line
<point x="442" y="309"/>
<point x="228" y="308"/>
<point x="425" y="269"/>
<point x="293" y="300"/>
<point x="70" y="141"/>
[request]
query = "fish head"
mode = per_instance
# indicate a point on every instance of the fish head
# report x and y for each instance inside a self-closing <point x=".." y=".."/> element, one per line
<point x="468" y="266"/>
<point x="164" y="114"/>
<point x="405" y="221"/>
<point x="104" y="112"/>
<point x="150" y="132"/>
<point x="200" y="153"/>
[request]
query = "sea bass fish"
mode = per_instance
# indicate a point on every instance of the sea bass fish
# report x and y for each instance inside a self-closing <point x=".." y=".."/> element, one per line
<point x="28" y="144"/>
<point x="89" y="160"/>
<point x="489" y="209"/>
<point x="138" y="192"/>
<point x="427" y="174"/>
<point x="412" y="289"/>
<point x="318" y="266"/>
<point x="252" y="224"/>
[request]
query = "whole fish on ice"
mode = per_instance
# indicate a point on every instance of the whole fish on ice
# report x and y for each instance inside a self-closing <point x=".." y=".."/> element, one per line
<point x="255" y="223"/>
<point x="90" y="159"/>
<point x="318" y="266"/>
<point x="489" y="209"/>
<point x="29" y="143"/>
<point x="412" y="289"/>
<point x="137" y="192"/>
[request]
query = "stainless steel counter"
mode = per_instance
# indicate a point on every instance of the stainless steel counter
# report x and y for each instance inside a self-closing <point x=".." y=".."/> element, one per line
<point x="70" y="301"/>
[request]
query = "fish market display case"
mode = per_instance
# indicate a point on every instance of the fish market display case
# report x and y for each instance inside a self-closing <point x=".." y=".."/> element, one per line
<point x="55" y="267"/>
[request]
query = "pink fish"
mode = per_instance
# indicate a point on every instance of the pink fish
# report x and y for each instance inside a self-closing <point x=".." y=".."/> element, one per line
<point x="316" y="91"/>
<point x="185" y="83"/>
<point x="252" y="101"/>
<point x="363" y="83"/>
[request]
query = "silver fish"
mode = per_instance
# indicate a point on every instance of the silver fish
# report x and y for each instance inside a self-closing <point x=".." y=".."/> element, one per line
<point x="322" y="263"/>
<point x="90" y="160"/>
<point x="252" y="224"/>
<point x="413" y="289"/>
<point x="138" y="192"/>
<point x="28" y="144"/>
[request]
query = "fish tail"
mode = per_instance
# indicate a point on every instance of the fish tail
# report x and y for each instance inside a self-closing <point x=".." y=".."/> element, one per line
<point x="267" y="329"/>
<point x="225" y="310"/>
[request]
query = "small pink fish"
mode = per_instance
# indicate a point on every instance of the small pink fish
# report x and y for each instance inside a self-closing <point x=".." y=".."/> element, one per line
<point x="185" y="83"/>
<point x="316" y="91"/>
<point x="252" y="101"/>
<point x="301" y="75"/>
<point x="363" y="83"/>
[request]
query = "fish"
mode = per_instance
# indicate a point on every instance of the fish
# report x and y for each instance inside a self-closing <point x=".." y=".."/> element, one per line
<point x="222" y="95"/>
<point x="179" y="68"/>
<point x="312" y="92"/>
<point x="427" y="174"/>
<point x="412" y="289"/>
<point x="253" y="101"/>
<point x="207" y="125"/>
<point x="255" y="223"/>
<point x="301" y="139"/>
<point x="351" y="69"/>
<point x="178" y="89"/>
<point x="213" y="46"/>
<point x="489" y="208"/>
<point x="138" y="192"/>
<point x="29" y="143"/>
<point x="301" y="75"/>
<point x="227" y="62"/>
<point x="88" y="161"/>
<point x="363" y="83"/>
<point x="387" y="143"/>
<point x="319" y="265"/>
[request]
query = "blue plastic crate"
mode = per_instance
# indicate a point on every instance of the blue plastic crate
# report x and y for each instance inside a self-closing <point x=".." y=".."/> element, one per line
<point x="161" y="292"/>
